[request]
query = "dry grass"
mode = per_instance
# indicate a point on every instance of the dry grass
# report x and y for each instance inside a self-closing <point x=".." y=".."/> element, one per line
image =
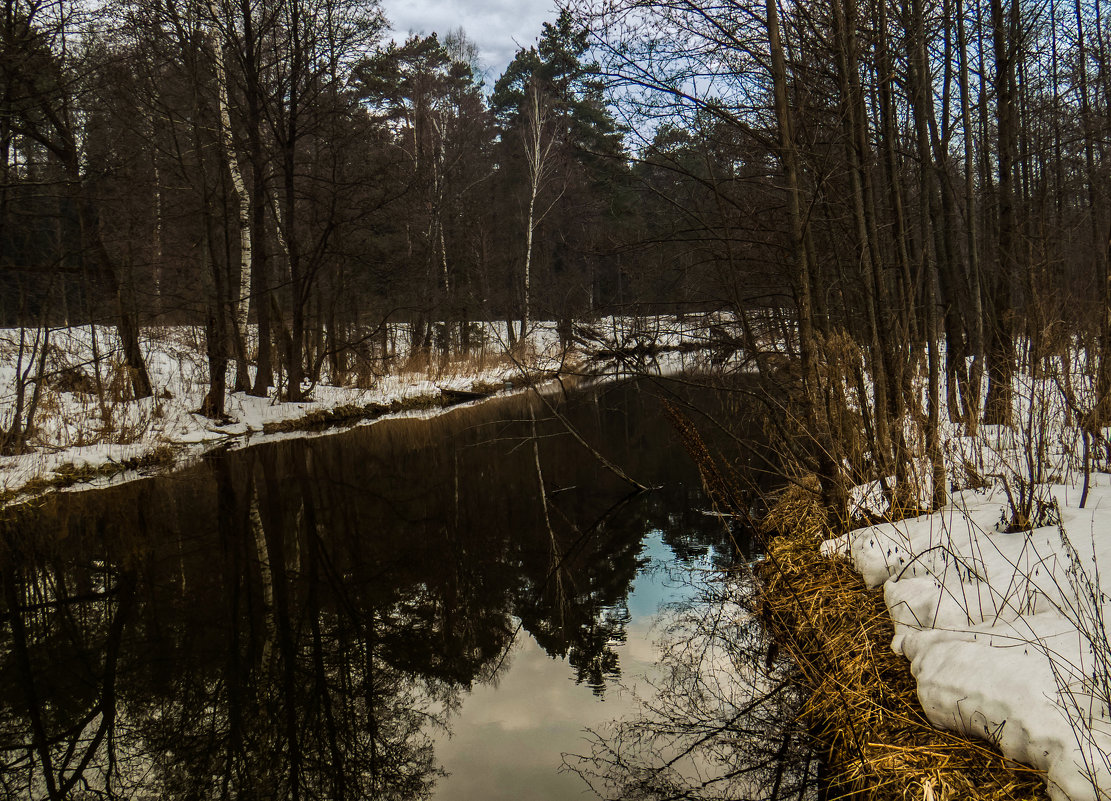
<point x="161" y="459"/>
<point x="367" y="368"/>
<point x="323" y="419"/>
<point x="864" y="707"/>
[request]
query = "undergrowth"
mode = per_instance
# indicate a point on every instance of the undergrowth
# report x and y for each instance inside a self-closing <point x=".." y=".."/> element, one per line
<point x="863" y="704"/>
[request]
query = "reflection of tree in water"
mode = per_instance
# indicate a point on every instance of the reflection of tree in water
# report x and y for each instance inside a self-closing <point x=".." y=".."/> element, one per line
<point x="359" y="728"/>
<point x="691" y="530"/>
<point x="58" y="671"/>
<point x="298" y="620"/>
<point x="575" y="609"/>
<point x="574" y="606"/>
<point x="720" y="722"/>
<point x="133" y="672"/>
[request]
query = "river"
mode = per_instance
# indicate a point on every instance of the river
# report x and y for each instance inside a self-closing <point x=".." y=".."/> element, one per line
<point x="395" y="611"/>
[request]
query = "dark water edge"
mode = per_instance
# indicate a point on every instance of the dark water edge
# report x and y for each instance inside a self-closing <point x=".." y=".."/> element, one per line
<point x="396" y="611"/>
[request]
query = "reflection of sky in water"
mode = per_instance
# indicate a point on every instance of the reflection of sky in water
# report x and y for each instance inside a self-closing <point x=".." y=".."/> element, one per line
<point x="663" y="579"/>
<point x="508" y="739"/>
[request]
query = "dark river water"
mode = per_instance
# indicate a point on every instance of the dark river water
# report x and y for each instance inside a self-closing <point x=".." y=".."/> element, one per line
<point x="397" y="611"/>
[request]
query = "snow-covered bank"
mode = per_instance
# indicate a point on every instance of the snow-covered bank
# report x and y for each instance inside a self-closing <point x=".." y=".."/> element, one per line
<point x="87" y="424"/>
<point x="78" y="429"/>
<point x="1005" y="629"/>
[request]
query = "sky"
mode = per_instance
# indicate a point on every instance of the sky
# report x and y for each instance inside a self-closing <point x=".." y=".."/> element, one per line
<point x="498" y="27"/>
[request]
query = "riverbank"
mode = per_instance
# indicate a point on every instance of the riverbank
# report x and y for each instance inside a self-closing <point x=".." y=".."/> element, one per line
<point x="87" y="428"/>
<point x="90" y="465"/>
<point x="863" y="707"/>
<point x="415" y="561"/>
<point x="170" y="435"/>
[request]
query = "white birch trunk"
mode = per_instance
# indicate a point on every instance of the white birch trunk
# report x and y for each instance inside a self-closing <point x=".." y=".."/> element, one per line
<point x="528" y="261"/>
<point x="537" y="153"/>
<point x="439" y="126"/>
<point x="243" y="304"/>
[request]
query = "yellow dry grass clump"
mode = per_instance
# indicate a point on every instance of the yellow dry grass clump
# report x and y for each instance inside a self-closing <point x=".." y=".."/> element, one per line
<point x="863" y="706"/>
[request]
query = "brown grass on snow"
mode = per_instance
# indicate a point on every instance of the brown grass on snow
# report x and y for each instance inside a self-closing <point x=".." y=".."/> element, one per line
<point x="863" y="706"/>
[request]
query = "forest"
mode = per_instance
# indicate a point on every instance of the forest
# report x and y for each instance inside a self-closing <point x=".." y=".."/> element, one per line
<point x="281" y="167"/>
<point x="902" y="189"/>
<point x="913" y="186"/>
<point x="882" y="227"/>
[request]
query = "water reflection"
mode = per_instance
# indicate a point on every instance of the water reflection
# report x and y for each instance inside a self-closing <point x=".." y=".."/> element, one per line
<point x="303" y="618"/>
<point x="720" y="719"/>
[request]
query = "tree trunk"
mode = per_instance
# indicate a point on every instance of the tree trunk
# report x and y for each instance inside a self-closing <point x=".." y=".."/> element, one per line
<point x="855" y="127"/>
<point x="260" y="268"/>
<point x="242" y="302"/>
<point x="1001" y="348"/>
<point x="825" y="449"/>
<point x="216" y="331"/>
<point x="919" y="87"/>
<point x="973" y="278"/>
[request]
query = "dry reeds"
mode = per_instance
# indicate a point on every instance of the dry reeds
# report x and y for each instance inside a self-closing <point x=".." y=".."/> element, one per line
<point x="863" y="707"/>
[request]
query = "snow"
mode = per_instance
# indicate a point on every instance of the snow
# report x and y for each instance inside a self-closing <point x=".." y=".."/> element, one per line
<point x="1004" y="625"/>
<point x="75" y="431"/>
<point x="1005" y="630"/>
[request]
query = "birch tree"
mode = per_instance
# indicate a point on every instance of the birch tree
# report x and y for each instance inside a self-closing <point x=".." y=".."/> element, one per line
<point x="242" y="303"/>
<point x="539" y="139"/>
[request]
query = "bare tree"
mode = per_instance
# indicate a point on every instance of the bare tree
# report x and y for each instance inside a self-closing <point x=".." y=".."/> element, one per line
<point x="539" y="139"/>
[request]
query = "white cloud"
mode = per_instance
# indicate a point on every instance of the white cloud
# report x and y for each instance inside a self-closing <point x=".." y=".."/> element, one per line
<point x="506" y="743"/>
<point x="498" y="27"/>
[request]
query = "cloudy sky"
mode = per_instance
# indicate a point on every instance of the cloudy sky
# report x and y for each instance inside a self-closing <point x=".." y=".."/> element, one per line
<point x="498" y="27"/>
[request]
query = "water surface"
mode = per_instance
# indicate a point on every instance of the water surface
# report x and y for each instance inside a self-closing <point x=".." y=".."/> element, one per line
<point x="398" y="611"/>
